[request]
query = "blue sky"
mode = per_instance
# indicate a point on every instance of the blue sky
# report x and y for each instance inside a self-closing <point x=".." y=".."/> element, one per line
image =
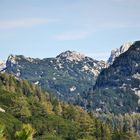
<point x="45" y="28"/>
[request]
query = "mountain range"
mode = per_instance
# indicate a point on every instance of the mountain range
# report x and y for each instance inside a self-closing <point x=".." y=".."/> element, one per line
<point x="111" y="86"/>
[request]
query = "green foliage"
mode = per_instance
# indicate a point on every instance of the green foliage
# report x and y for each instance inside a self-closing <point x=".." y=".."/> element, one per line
<point x="2" y="132"/>
<point x="26" y="133"/>
<point x="28" y="109"/>
<point x="10" y="123"/>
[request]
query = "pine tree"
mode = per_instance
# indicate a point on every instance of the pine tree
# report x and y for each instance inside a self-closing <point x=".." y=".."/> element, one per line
<point x="2" y="132"/>
<point x="26" y="133"/>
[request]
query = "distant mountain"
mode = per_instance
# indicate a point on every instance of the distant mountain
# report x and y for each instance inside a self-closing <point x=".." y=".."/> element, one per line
<point x="117" y="88"/>
<point x="118" y="51"/>
<point x="2" y="65"/>
<point x="70" y="76"/>
<point x="66" y="76"/>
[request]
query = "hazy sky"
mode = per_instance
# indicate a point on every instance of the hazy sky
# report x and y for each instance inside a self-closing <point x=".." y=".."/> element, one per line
<point x="44" y="28"/>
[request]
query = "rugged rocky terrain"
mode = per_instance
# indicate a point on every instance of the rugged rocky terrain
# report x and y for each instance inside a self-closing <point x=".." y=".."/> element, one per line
<point x="117" y="86"/>
<point x="2" y="65"/>
<point x="118" y="51"/>
<point x="66" y="76"/>
<point x="71" y="77"/>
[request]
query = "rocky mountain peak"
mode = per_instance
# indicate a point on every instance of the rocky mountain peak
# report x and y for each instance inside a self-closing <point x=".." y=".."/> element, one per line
<point x="116" y="52"/>
<point x="2" y="65"/>
<point x="13" y="59"/>
<point x="125" y="47"/>
<point x="1" y="62"/>
<point x="71" y="55"/>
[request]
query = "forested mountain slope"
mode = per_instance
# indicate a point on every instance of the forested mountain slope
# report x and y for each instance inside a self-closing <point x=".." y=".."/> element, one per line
<point x="24" y="103"/>
<point x="26" y="112"/>
<point x="117" y="87"/>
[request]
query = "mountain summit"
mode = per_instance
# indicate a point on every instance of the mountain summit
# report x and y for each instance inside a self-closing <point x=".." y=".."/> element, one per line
<point x="72" y="56"/>
<point x="116" y="52"/>
<point x="2" y="65"/>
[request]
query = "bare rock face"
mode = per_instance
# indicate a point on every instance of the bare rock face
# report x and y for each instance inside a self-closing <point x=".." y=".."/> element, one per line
<point x="72" y="56"/>
<point x="2" y="65"/>
<point x="118" y="51"/>
<point x="2" y="110"/>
